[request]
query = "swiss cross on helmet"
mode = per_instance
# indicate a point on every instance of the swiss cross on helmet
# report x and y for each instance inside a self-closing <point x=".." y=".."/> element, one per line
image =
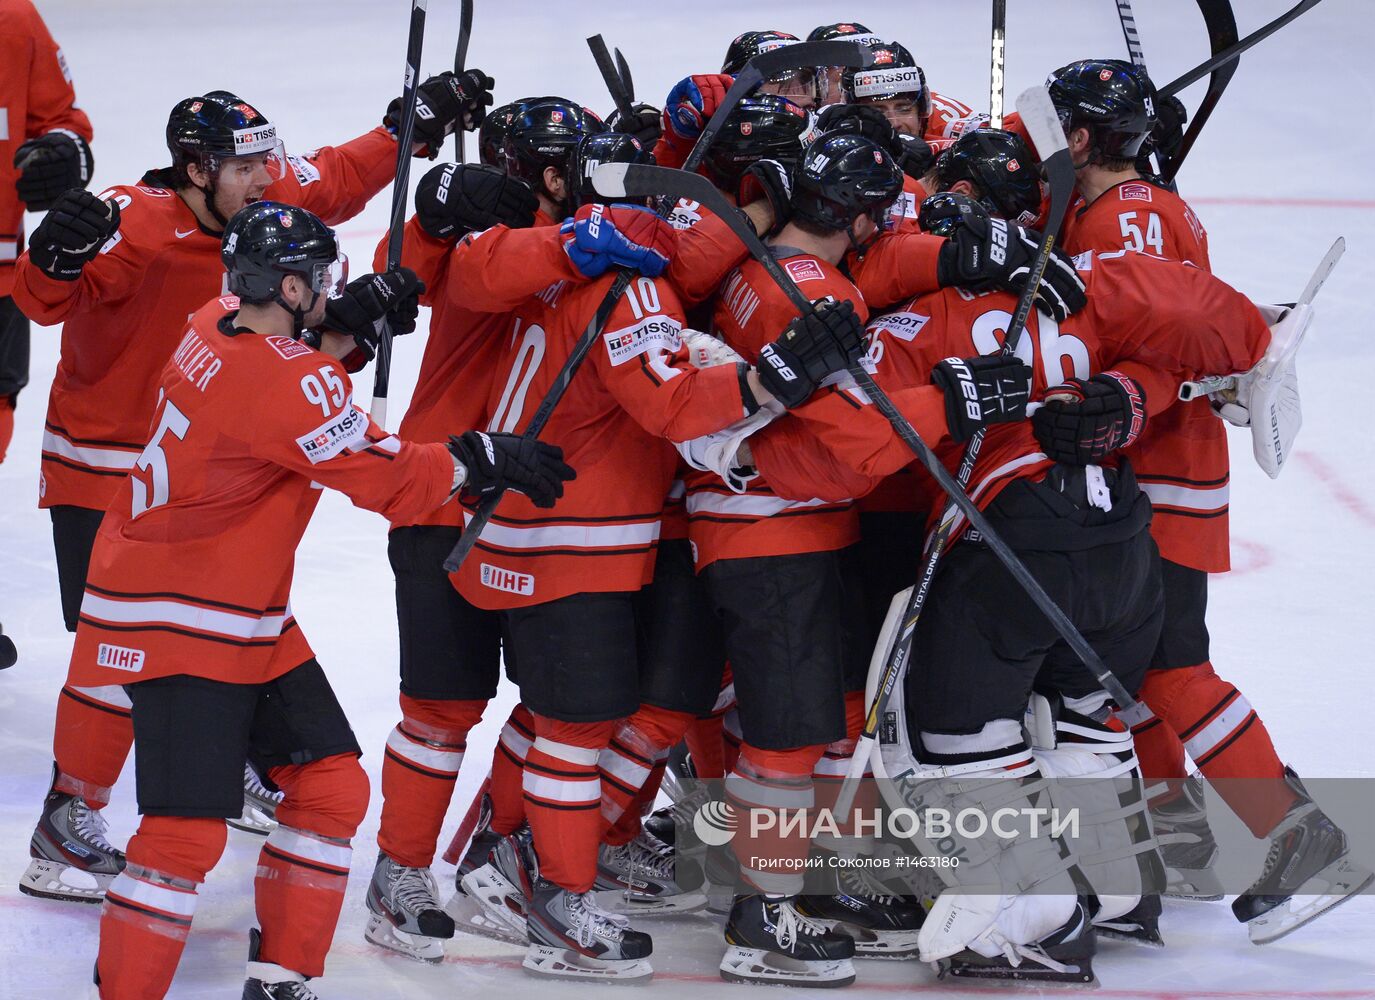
<point x="491" y="134"/>
<point x="762" y="126"/>
<point x="1111" y="98"/>
<point x="266" y="241"/>
<point x="844" y="176"/>
<point x="1004" y="172"/>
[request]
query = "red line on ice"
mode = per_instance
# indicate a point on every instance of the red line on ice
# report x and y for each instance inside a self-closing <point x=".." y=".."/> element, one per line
<point x="1340" y="491"/>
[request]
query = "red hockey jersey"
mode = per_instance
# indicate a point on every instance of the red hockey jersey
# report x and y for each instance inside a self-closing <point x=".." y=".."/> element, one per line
<point x="191" y="571"/>
<point x="1181" y="460"/>
<point x="125" y="314"/>
<point x="36" y="97"/>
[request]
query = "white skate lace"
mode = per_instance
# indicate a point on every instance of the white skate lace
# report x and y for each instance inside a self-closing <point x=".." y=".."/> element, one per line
<point x="594" y="922"/>
<point x="790" y="925"/>
<point x="653" y="858"/>
<point x="414" y="889"/>
<point x="90" y="826"/>
<point x="858" y="882"/>
<point x="1018" y="953"/>
<point x="254" y="786"/>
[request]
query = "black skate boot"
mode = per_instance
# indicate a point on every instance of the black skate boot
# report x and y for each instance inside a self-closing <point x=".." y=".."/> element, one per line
<point x="1308" y="870"/>
<point x="882" y="925"/>
<point x="72" y="860"/>
<point x="481" y="846"/>
<point x="643" y="878"/>
<point x="259" y="805"/>
<point x="406" y="915"/>
<point x="1139" y="925"/>
<point x="272" y="982"/>
<point x="1063" y="956"/>
<point x="494" y="894"/>
<point x="571" y="937"/>
<point x="1186" y="844"/>
<point x="771" y="941"/>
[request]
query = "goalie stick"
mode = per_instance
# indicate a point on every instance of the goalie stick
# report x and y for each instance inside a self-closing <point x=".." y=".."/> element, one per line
<point x="1232" y="52"/>
<point x="381" y="376"/>
<point x="634" y="180"/>
<point x="756" y="71"/>
<point x="1189" y="391"/>
<point x="615" y="83"/>
<point x="465" y="34"/>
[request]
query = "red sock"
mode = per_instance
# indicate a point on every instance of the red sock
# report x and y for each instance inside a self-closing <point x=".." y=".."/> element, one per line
<point x="1226" y="739"/>
<point x="639" y="746"/>
<point x="91" y="741"/>
<point x="419" y="770"/>
<point x="1161" y="754"/>
<point x="772" y="780"/>
<point x="563" y="799"/>
<point x="303" y="869"/>
<point x="147" y="912"/>
<point x="705" y="743"/>
<point x="508" y="763"/>
<point x="731" y="739"/>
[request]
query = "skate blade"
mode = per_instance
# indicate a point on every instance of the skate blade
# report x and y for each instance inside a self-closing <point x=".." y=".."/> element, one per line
<point x="1146" y="937"/>
<point x="383" y="933"/>
<point x="560" y="963"/>
<point x="680" y="903"/>
<point x="1343" y="879"/>
<point x="756" y="965"/>
<point x="253" y="821"/>
<point x="996" y="972"/>
<point x="1192" y="883"/>
<point x="489" y="906"/>
<point x="891" y="946"/>
<point x="67" y="883"/>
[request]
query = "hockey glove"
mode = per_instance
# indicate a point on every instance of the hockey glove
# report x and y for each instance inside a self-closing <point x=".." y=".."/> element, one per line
<point x="987" y="252"/>
<point x="443" y="104"/>
<point x="770" y="180"/>
<point x="813" y="347"/>
<point x="497" y="462"/>
<point x="391" y="298"/>
<point x="1168" y="133"/>
<point x="600" y="237"/>
<point x="72" y="233"/>
<point x="991" y="389"/>
<point x="644" y="124"/>
<point x="50" y="165"/>
<point x="1100" y="415"/>
<point x="455" y="198"/>
<point x="687" y="110"/>
<point x="917" y="157"/>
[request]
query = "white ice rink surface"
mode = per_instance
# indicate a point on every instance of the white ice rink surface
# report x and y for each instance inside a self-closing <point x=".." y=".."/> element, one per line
<point x="1283" y="168"/>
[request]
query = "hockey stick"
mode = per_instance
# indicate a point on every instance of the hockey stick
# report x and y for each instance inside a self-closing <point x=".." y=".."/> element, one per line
<point x="1129" y="32"/>
<point x="465" y="34"/>
<point x="1222" y="33"/>
<point x="623" y="68"/>
<point x="1189" y="391"/>
<point x="381" y="376"/>
<point x="1230" y="54"/>
<point x="995" y="73"/>
<point x="1035" y="108"/>
<point x="454" y="852"/>
<point x="756" y="71"/>
<point x="611" y="75"/>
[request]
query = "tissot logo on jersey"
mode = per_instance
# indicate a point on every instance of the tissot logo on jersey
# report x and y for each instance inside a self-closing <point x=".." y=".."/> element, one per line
<point x="903" y="325"/>
<point x="344" y="431"/>
<point x="654" y="333"/>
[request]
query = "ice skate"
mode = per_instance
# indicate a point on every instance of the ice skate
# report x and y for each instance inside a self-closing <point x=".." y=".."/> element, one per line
<point x="1140" y="925"/>
<point x="882" y="925"/>
<point x="481" y="846"/>
<point x="259" y="805"/>
<point x="771" y="941"/>
<point x="571" y="937"/>
<point x="272" y="982"/>
<point x="722" y="874"/>
<point x="406" y="915"/>
<point x="641" y="877"/>
<point x="493" y="897"/>
<point x="72" y="859"/>
<point x="1064" y="956"/>
<point x="1187" y="845"/>
<point x="1308" y="870"/>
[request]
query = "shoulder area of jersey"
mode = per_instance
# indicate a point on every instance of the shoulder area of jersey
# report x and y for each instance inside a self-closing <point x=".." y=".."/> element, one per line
<point x="154" y="215"/>
<point x="274" y="349"/>
<point x="1138" y="191"/>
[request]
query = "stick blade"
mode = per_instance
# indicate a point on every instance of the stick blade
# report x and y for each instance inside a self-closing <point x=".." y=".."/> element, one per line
<point x="627" y="81"/>
<point x="609" y="180"/>
<point x="1325" y="268"/>
<point x="1042" y="121"/>
<point x="642" y="180"/>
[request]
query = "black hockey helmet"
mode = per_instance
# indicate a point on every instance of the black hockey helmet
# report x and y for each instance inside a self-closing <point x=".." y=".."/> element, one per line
<point x="1001" y="167"/>
<point x="1111" y="98"/>
<point x="745" y="47"/>
<point x="542" y="133"/>
<point x="266" y="241"/>
<point x="217" y="126"/>
<point x="590" y="153"/>
<point x="844" y="176"/>
<point x="893" y="75"/>
<point x="761" y="126"/>
<point x="846" y="31"/>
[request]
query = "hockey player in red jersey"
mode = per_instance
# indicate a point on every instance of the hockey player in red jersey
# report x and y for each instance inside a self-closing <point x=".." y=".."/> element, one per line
<point x="44" y="151"/>
<point x="122" y="272"/>
<point x="1182" y="465"/>
<point x="187" y="603"/>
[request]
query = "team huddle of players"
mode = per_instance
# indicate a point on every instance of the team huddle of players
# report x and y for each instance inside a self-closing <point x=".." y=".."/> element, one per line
<point x="688" y="572"/>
